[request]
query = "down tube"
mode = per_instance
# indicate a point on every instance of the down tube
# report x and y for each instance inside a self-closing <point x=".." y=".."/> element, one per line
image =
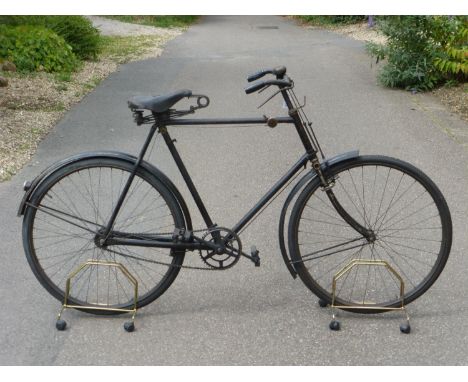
<point x="270" y="194"/>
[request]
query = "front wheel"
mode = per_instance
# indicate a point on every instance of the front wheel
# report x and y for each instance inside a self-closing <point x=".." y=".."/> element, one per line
<point x="62" y="226"/>
<point x="409" y="224"/>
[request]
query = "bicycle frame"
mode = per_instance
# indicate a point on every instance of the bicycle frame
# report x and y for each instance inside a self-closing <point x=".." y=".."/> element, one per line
<point x="264" y="200"/>
<point x="168" y="243"/>
<point x="162" y="121"/>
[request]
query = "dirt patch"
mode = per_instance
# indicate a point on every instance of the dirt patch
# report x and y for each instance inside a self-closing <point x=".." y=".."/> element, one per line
<point x="455" y="98"/>
<point x="109" y="27"/>
<point x="32" y="104"/>
<point x="359" y="32"/>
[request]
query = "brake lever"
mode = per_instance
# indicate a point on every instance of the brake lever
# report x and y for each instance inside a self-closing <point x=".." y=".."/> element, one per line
<point x="263" y="89"/>
<point x="275" y="93"/>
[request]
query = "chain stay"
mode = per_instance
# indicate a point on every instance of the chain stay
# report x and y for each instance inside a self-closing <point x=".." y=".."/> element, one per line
<point x="177" y="232"/>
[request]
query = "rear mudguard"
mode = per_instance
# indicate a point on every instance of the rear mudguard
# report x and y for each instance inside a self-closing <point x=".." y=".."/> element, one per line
<point x="306" y="179"/>
<point x="31" y="187"/>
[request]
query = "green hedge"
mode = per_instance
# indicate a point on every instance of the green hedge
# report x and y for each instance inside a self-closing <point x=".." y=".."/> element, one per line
<point x="337" y="19"/>
<point x="77" y="31"/>
<point x="35" y="48"/>
<point x="161" y="21"/>
<point x="421" y="51"/>
<point x="452" y="55"/>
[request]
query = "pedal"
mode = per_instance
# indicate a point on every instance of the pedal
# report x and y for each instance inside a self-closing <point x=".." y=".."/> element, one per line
<point x="254" y="254"/>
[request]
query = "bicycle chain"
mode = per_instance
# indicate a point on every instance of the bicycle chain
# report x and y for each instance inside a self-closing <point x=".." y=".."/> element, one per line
<point x="166" y="264"/>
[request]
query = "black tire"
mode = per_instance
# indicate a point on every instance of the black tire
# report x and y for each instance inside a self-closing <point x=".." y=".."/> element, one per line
<point x="88" y="189"/>
<point x="405" y="210"/>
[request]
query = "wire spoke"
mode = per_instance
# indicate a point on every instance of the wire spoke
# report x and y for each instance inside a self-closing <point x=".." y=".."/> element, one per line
<point x="396" y="206"/>
<point x="70" y="216"/>
<point x="308" y="257"/>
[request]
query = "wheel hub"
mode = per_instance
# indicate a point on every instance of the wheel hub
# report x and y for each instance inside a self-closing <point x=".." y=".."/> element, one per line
<point x="99" y="240"/>
<point x="371" y="236"/>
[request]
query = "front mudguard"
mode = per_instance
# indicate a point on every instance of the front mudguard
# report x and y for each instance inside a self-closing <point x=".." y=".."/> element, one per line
<point x="305" y="180"/>
<point x="31" y="187"/>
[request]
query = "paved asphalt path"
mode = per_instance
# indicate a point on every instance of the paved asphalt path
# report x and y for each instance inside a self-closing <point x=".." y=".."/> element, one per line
<point x="247" y="315"/>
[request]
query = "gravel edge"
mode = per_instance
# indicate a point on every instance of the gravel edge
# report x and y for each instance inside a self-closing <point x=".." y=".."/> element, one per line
<point x="32" y="105"/>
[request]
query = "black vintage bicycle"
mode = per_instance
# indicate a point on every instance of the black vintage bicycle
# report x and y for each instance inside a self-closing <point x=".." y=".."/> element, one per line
<point x="117" y="207"/>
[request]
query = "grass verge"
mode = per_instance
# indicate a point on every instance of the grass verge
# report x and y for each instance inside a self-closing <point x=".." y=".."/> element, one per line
<point x="32" y="104"/>
<point x="157" y="21"/>
<point x="123" y="49"/>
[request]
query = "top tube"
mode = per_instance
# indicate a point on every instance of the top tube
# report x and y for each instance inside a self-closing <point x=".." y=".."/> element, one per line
<point x="227" y="121"/>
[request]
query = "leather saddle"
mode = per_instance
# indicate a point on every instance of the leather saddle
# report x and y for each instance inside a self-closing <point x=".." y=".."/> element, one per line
<point x="158" y="104"/>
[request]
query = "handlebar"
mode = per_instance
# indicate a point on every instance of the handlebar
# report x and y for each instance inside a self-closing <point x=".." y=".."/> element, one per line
<point x="261" y="84"/>
<point x="279" y="72"/>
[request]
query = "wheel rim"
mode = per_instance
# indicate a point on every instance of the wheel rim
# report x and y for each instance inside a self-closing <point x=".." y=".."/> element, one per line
<point x="403" y="215"/>
<point x="59" y="248"/>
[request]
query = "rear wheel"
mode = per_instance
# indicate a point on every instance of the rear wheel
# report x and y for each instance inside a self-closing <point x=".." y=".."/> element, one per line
<point x="407" y="215"/>
<point x="67" y="211"/>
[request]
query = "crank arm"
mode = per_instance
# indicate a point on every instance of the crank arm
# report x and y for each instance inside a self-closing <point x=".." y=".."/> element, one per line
<point x="254" y="259"/>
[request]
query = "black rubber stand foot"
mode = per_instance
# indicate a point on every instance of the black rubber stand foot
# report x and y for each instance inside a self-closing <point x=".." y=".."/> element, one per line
<point x="129" y="326"/>
<point x="405" y="328"/>
<point x="60" y="325"/>
<point x="335" y="325"/>
<point x="322" y="303"/>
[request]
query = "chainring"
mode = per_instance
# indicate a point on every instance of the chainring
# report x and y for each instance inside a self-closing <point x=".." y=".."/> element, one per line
<point x="227" y="257"/>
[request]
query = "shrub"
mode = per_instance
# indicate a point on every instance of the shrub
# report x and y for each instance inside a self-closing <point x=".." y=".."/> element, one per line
<point x="452" y="37"/>
<point x="33" y="48"/>
<point x="77" y="31"/>
<point x="347" y="19"/>
<point x="410" y="53"/>
<point x="422" y="51"/>
<point x="21" y="20"/>
<point x="333" y="19"/>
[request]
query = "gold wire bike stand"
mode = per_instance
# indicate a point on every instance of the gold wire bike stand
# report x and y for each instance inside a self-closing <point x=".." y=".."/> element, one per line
<point x="335" y="325"/>
<point x="129" y="326"/>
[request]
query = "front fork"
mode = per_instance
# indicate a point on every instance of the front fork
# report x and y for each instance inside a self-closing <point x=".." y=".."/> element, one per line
<point x="327" y="186"/>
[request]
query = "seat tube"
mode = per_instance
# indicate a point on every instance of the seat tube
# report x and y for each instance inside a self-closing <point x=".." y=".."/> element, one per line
<point x="121" y="199"/>
<point x="186" y="176"/>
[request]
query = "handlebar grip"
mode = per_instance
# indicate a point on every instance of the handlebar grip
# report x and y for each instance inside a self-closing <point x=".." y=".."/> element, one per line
<point x="279" y="72"/>
<point x="261" y="84"/>
<point x="257" y="75"/>
<point x="256" y="86"/>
